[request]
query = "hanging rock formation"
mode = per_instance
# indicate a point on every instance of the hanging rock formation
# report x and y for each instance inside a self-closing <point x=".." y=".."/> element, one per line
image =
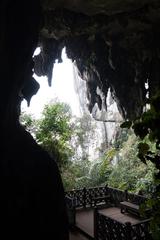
<point x="114" y="44"/>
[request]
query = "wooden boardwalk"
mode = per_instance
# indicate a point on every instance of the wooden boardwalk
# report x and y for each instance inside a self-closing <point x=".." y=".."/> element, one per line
<point x="116" y="214"/>
<point x="85" y="220"/>
<point x="76" y="236"/>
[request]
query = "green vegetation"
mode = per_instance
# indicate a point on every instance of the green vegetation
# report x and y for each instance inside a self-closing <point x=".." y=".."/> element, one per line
<point x="53" y="131"/>
<point x="129" y="173"/>
<point x="68" y="140"/>
<point x="65" y="138"/>
<point x="147" y="129"/>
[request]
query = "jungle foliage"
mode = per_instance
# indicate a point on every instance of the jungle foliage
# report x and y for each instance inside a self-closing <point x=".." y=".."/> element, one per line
<point x="68" y="139"/>
<point x="118" y="165"/>
<point x="147" y="129"/>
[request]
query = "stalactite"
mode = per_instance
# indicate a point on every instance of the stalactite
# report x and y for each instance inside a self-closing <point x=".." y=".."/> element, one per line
<point x="111" y="51"/>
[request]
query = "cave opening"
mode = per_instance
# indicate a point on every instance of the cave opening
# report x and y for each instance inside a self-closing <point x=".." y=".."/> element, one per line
<point x="115" y="46"/>
<point x="99" y="135"/>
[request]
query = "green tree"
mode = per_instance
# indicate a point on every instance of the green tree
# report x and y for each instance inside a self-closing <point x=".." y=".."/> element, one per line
<point x="84" y="132"/>
<point x="67" y="139"/>
<point x="129" y="173"/>
<point x="75" y="174"/>
<point x="29" y="123"/>
<point x="55" y="131"/>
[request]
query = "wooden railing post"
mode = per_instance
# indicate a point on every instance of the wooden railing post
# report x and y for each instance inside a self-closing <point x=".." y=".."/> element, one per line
<point x="71" y="211"/>
<point x="95" y="223"/>
<point x="106" y="189"/>
<point x="126" y="195"/>
<point x="84" y="197"/>
<point x="74" y="212"/>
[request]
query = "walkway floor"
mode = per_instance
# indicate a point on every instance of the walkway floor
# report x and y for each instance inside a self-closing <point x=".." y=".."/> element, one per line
<point x="76" y="236"/>
<point x="84" y="218"/>
<point x="116" y="214"/>
<point x="84" y="221"/>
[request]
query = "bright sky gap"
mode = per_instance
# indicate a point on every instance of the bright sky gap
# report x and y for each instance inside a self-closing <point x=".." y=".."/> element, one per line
<point x="62" y="89"/>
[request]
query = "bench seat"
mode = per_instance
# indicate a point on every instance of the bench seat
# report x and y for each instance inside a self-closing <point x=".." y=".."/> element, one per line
<point x="100" y="199"/>
<point x="129" y="206"/>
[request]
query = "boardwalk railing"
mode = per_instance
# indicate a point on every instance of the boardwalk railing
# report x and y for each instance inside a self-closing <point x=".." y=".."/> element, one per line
<point x="82" y="198"/>
<point x="85" y="197"/>
<point x="107" y="228"/>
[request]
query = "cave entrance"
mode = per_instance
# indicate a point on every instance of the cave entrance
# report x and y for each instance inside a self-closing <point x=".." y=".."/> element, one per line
<point x="90" y="149"/>
<point x="91" y="136"/>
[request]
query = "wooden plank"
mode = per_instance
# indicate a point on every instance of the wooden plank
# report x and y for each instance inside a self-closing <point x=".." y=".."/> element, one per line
<point x="116" y="214"/>
<point x="84" y="221"/>
<point x="84" y="218"/>
<point x="76" y="236"/>
<point x="101" y="199"/>
<point x="130" y="205"/>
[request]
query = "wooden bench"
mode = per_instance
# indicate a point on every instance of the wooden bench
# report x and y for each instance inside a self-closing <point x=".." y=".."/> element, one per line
<point x="125" y="206"/>
<point x="101" y="199"/>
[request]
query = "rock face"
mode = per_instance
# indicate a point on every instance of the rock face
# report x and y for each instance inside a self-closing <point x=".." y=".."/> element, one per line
<point x="115" y="45"/>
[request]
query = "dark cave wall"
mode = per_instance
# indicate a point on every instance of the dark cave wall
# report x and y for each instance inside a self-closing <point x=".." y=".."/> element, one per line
<point x="32" y="195"/>
<point x="19" y="38"/>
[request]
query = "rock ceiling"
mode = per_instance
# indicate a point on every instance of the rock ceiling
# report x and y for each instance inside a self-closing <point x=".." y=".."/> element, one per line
<point x="115" y="44"/>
